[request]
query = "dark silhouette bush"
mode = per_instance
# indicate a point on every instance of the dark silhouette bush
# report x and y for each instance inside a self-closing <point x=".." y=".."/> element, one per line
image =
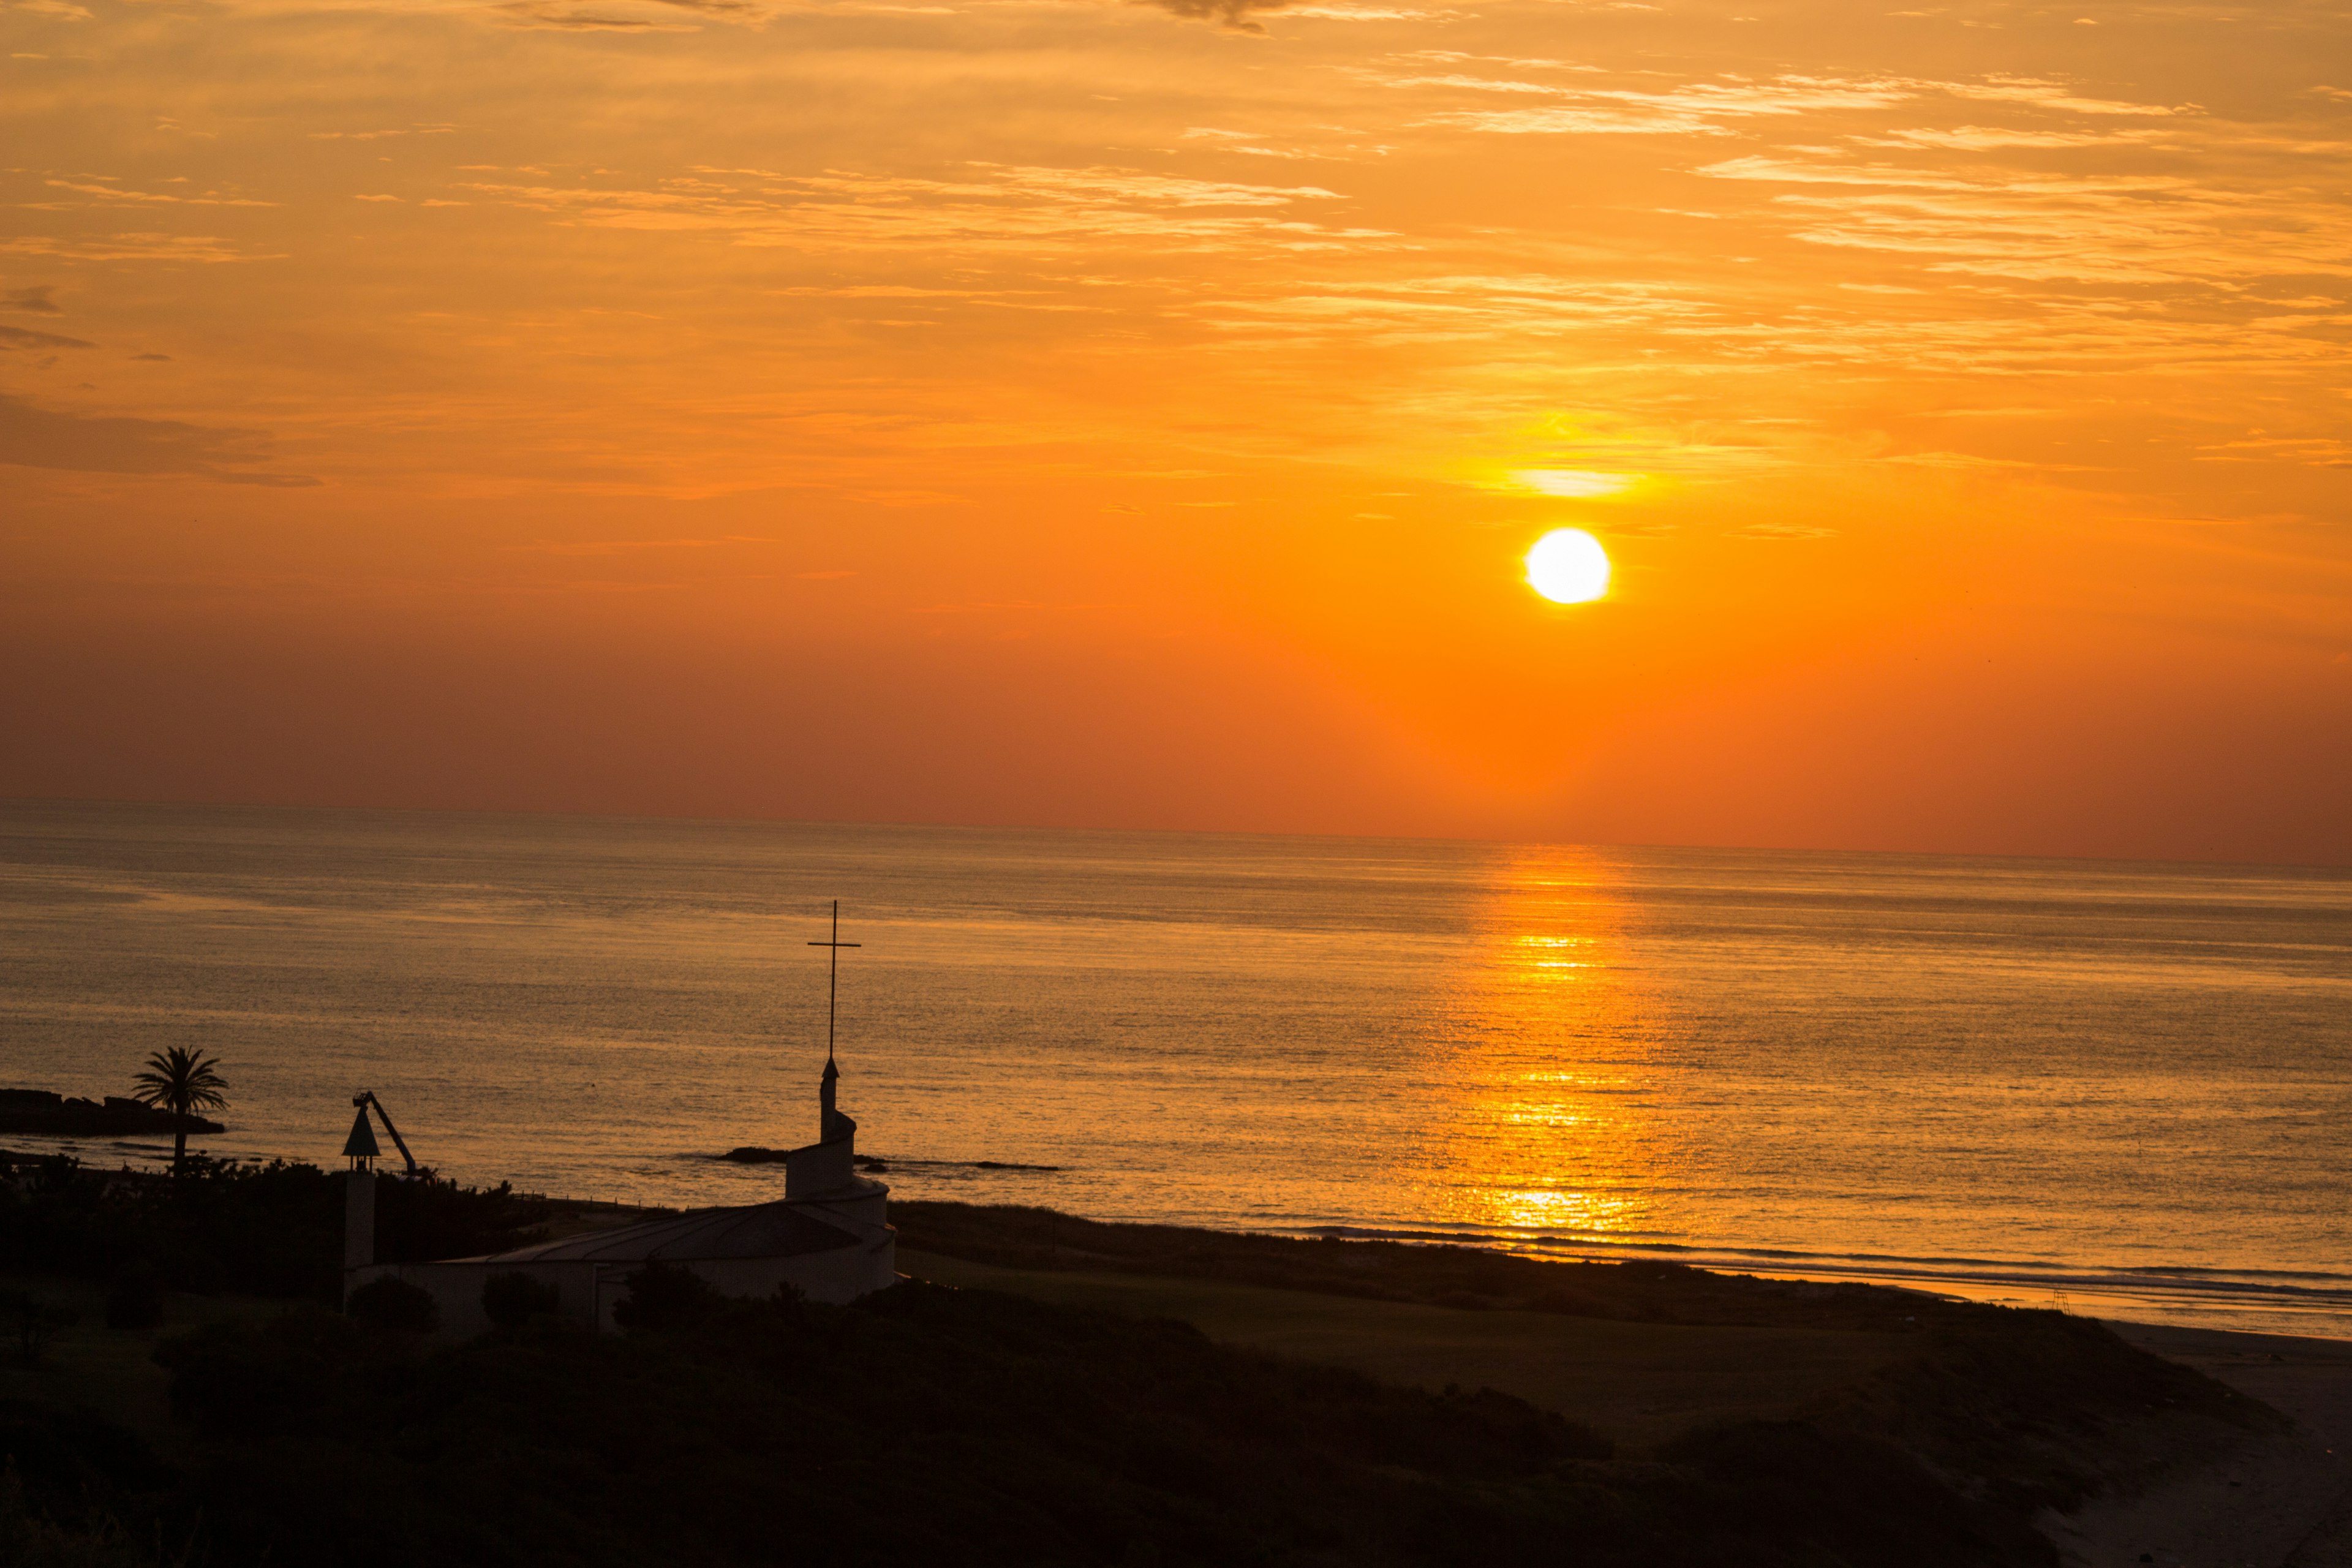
<point x="511" y="1301"/>
<point x="987" y="1430"/>
<point x="134" y="1300"/>
<point x="273" y="1230"/>
<point x="31" y="1323"/>
<point x="245" y="1381"/>
<point x="391" y="1305"/>
<point x="29" y="1541"/>
<point x="663" y="1296"/>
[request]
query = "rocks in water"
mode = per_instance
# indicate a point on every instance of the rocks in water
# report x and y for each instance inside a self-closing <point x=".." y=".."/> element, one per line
<point x="754" y="1154"/>
<point x="40" y="1111"/>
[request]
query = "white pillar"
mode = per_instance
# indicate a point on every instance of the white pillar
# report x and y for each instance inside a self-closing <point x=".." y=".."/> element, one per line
<point x="358" y="1219"/>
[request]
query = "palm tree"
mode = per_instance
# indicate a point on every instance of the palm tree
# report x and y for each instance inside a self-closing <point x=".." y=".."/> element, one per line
<point x="182" y="1082"/>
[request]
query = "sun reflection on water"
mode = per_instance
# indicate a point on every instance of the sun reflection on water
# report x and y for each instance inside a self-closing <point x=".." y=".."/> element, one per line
<point x="1549" y="1109"/>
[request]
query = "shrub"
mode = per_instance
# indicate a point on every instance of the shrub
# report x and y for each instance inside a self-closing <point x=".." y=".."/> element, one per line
<point x="273" y="1230"/>
<point x="390" y="1304"/>
<point x="513" y="1300"/>
<point x="29" y="1541"/>
<point x="134" y="1300"/>
<point x="32" y="1323"/>
<point x="288" y="1373"/>
<point x="663" y="1296"/>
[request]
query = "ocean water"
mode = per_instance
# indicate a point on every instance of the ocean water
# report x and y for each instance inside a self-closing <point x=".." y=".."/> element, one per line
<point x="2115" y="1088"/>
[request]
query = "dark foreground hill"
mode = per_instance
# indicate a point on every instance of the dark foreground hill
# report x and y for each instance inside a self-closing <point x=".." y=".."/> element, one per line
<point x="2022" y="1411"/>
<point x="928" y="1426"/>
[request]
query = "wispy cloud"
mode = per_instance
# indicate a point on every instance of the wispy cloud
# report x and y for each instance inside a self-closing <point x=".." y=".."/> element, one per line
<point x="633" y="546"/>
<point x="1713" y="107"/>
<point x="145" y="246"/>
<point x="2158" y="228"/>
<point x="33" y="436"/>
<point x="118" y="195"/>
<point x="1240" y="16"/>
<point x="996" y="206"/>
<point x="24" y="338"/>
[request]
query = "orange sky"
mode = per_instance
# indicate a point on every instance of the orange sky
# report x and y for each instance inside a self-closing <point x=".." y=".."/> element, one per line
<point x="1065" y="411"/>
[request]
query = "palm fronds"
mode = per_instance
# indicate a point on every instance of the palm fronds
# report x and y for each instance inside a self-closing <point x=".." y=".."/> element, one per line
<point x="182" y="1081"/>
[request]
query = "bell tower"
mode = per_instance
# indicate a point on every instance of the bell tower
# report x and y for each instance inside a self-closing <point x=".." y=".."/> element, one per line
<point x="359" y="1192"/>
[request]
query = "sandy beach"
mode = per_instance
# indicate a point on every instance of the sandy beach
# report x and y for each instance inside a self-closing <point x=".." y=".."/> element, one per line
<point x="2276" y="1501"/>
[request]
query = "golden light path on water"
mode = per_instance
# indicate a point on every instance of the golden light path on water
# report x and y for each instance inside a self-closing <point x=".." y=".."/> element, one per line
<point x="1553" y="1126"/>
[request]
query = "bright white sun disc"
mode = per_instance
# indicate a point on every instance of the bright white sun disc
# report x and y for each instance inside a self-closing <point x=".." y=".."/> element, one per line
<point x="1568" y="567"/>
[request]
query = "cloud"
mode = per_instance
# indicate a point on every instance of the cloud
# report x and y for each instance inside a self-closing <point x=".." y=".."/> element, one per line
<point x="117" y="195"/>
<point x="1582" y="483"/>
<point x="129" y="248"/>
<point x="1364" y="13"/>
<point x="24" y="338"/>
<point x="631" y="16"/>
<point x="380" y="135"/>
<point x="2108" y="228"/>
<point x="996" y="207"/>
<point x="625" y="546"/>
<point x="530" y="13"/>
<point x="2046" y="94"/>
<point x="1239" y="15"/>
<point x="159" y="358"/>
<point x="35" y="437"/>
<point x="1979" y="138"/>
<point x="35" y="299"/>
<point x="1694" y="108"/>
<point x="1781" y="530"/>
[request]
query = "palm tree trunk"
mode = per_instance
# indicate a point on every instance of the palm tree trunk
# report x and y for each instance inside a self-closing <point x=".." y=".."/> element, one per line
<point x="179" y="1145"/>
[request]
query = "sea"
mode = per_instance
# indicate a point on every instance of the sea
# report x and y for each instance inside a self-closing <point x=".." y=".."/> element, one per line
<point x="2107" y="1087"/>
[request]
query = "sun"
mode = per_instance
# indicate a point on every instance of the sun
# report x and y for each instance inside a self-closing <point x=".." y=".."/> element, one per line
<point x="1568" y="567"/>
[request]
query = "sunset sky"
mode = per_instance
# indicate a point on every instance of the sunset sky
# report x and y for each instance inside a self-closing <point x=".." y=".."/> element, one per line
<point x="1074" y="412"/>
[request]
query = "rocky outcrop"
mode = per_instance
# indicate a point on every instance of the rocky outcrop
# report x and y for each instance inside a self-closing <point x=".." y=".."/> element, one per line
<point x="40" y="1111"/>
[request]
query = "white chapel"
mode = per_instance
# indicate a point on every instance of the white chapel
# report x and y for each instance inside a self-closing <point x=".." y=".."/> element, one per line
<point x="828" y="1236"/>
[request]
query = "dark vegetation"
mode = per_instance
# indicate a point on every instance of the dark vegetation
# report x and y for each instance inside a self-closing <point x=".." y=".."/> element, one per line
<point x="393" y="1306"/>
<point x="274" y="1230"/>
<point x="928" y="1426"/>
<point x="29" y="1324"/>
<point x="931" y="1425"/>
<point x="181" y="1081"/>
<point x="512" y="1300"/>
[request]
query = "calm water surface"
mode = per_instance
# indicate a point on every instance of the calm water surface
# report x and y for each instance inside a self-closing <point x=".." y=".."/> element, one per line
<point x="2121" y="1086"/>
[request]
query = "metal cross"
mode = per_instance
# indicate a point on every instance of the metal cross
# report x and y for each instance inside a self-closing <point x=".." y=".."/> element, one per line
<point x="833" y="984"/>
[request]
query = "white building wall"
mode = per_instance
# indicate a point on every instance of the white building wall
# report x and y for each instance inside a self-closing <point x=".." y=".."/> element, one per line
<point x="587" y="1292"/>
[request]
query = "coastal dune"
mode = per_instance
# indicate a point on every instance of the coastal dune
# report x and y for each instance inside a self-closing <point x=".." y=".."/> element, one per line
<point x="2281" y="1497"/>
<point x="1640" y="1383"/>
<point x="2253" y="1472"/>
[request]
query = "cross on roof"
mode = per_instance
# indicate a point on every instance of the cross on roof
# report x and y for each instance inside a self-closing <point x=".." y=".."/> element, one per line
<point x="833" y="982"/>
